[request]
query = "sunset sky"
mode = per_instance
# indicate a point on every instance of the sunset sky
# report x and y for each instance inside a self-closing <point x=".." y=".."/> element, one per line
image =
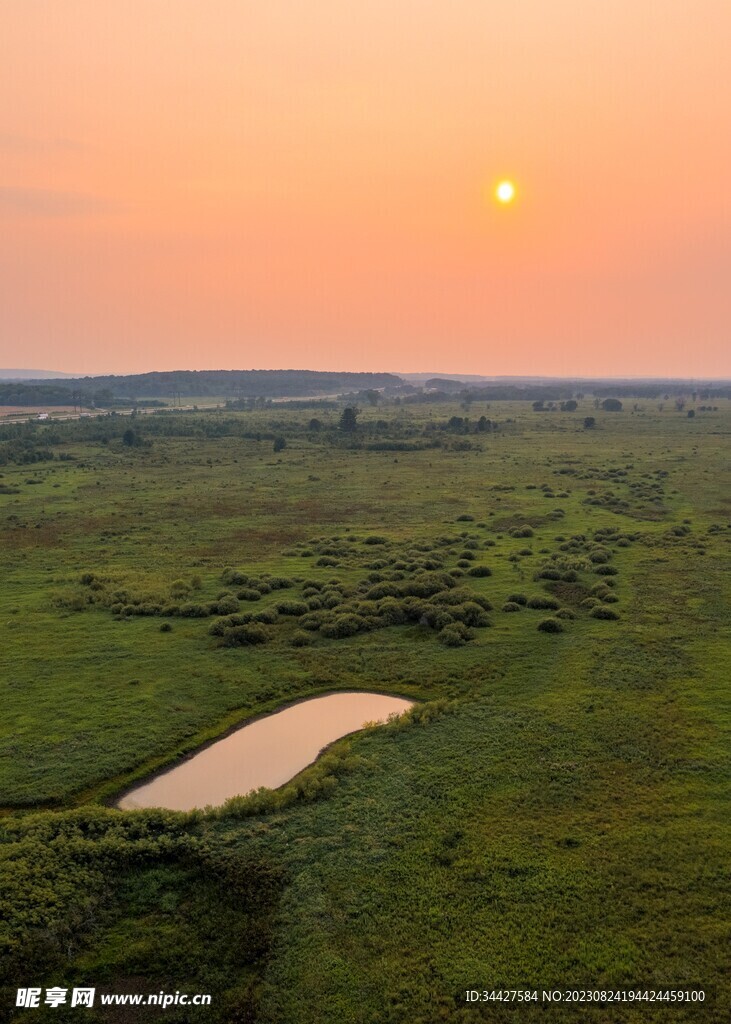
<point x="228" y="183"/>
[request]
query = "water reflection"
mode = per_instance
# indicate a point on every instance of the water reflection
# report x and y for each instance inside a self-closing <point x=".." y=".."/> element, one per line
<point x="267" y="752"/>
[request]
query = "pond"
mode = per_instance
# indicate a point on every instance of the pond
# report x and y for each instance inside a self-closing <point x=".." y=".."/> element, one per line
<point x="267" y="752"/>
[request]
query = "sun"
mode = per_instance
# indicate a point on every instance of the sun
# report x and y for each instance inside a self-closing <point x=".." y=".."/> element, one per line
<point x="505" y="192"/>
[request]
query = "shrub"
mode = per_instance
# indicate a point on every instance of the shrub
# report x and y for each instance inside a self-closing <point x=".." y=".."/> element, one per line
<point x="542" y="601"/>
<point x="342" y="626"/>
<point x="602" y="612"/>
<point x="517" y="599"/>
<point x="465" y="518"/>
<point x="249" y="594"/>
<point x="166" y="627"/>
<point x="470" y="613"/>
<point x="550" y="626"/>
<point x="590" y="602"/>
<point x="391" y="612"/>
<point x="227" y="605"/>
<point x="266" y="615"/>
<point x="599" y="589"/>
<point x="381" y="590"/>
<point x="565" y="613"/>
<point x="245" y="636"/>
<point x="231" y="576"/>
<point x="454" y="635"/>
<point x="605" y="570"/>
<point x="195" y="611"/>
<point x="311" y="622"/>
<point x="511" y="606"/>
<point x="599" y="556"/>
<point x="280" y="582"/>
<point x="375" y="539"/>
<point x="292" y="608"/>
<point x="610" y="598"/>
<point x="300" y="639"/>
<point x="480" y="571"/>
<point x="326" y="560"/>
<point x="521" y="531"/>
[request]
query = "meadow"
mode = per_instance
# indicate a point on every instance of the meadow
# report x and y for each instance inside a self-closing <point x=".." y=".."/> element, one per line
<point x="553" y="813"/>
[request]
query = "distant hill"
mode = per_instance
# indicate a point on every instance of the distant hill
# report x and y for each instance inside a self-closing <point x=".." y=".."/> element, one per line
<point x="33" y="375"/>
<point x="181" y="384"/>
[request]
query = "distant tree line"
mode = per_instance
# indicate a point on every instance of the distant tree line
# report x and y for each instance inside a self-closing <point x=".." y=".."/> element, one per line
<point x="190" y="383"/>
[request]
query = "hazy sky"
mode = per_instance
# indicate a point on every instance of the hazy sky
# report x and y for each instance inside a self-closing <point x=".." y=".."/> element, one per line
<point x="281" y="183"/>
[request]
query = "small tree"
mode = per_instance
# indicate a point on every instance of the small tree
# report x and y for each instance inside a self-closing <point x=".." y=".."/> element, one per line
<point x="612" y="405"/>
<point x="315" y="425"/>
<point x="589" y="423"/>
<point x="279" y="444"/>
<point x="349" y="419"/>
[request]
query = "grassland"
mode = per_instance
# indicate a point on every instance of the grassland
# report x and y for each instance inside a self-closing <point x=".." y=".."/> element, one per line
<point x="554" y="816"/>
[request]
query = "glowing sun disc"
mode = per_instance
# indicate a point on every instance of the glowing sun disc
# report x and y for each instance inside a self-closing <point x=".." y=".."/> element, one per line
<point x="505" y="192"/>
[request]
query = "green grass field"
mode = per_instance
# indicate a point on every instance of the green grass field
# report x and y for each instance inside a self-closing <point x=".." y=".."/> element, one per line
<point x="555" y="814"/>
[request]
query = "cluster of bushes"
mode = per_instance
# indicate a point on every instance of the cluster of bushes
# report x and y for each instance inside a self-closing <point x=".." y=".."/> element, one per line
<point x="431" y="600"/>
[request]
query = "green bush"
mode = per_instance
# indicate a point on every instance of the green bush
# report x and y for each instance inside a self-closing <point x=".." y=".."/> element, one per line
<point x="391" y="612"/>
<point x="267" y="615"/>
<point x="511" y="606"/>
<point x="542" y="601"/>
<point x="312" y="621"/>
<point x="517" y="598"/>
<point x="602" y="612"/>
<point x="455" y="635"/>
<point x="470" y="613"/>
<point x="231" y="576"/>
<point x="245" y="636"/>
<point x="480" y="571"/>
<point x="342" y="626"/>
<point x="249" y="594"/>
<point x="296" y="608"/>
<point x="550" y="626"/>
<point x="280" y="582"/>
<point x="300" y="639"/>
<point x="195" y="611"/>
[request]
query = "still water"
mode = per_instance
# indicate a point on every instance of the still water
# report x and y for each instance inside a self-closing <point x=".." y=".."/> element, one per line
<point x="267" y="752"/>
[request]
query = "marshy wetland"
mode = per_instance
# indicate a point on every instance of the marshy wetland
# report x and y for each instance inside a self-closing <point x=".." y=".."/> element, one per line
<point x="552" y="598"/>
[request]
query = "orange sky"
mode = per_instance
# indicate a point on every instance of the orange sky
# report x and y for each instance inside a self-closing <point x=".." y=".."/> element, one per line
<point x="222" y="183"/>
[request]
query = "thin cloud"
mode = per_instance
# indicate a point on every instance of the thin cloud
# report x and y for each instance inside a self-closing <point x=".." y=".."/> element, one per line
<point x="41" y="202"/>
<point x="11" y="142"/>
